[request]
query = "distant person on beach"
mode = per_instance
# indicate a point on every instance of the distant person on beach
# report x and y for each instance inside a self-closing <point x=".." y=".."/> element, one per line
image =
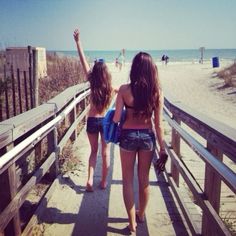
<point x="141" y="98"/>
<point x="166" y="59"/>
<point x="100" y="98"/>
<point x="163" y="58"/>
<point x="123" y="54"/>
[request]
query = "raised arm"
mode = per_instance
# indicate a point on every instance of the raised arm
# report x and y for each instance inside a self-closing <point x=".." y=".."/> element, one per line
<point x="80" y="50"/>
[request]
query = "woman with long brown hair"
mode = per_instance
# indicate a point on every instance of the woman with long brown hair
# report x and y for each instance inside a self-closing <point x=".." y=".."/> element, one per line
<point x="100" y="98"/>
<point x="142" y="98"/>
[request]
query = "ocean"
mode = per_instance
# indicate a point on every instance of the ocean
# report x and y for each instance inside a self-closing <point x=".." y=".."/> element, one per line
<point x="189" y="55"/>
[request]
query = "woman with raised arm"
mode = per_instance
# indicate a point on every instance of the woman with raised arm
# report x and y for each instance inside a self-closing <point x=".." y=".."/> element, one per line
<point x="100" y="98"/>
<point x="142" y="98"/>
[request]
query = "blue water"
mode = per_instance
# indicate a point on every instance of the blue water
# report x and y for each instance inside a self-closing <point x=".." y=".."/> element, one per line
<point x="174" y="55"/>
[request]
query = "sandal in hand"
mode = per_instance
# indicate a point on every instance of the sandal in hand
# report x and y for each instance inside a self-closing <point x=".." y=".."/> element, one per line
<point x="160" y="164"/>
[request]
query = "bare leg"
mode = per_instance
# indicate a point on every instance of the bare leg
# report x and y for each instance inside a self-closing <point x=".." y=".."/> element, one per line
<point x="127" y="165"/>
<point x="105" y="162"/>
<point x="144" y="163"/>
<point x="93" y="140"/>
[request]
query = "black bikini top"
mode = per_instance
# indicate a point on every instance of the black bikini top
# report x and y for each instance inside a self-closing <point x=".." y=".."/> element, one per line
<point x="127" y="106"/>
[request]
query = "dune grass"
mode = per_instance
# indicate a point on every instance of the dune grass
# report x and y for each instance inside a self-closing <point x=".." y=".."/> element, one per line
<point x="228" y="75"/>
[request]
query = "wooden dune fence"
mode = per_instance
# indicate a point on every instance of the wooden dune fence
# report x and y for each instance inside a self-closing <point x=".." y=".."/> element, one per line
<point x="18" y="92"/>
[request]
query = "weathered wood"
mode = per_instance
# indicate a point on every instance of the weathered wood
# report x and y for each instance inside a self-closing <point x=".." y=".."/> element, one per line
<point x="13" y="91"/>
<point x="68" y="95"/>
<point x="26" y="121"/>
<point x="31" y="76"/>
<point x="217" y="133"/>
<point x="18" y="200"/>
<point x="31" y="88"/>
<point x="175" y="144"/>
<point x="225" y="173"/>
<point x="70" y="131"/>
<point x="19" y="89"/>
<point x="26" y="92"/>
<point x="199" y="196"/>
<point x="7" y="192"/>
<point x="6" y="93"/>
<point x="194" y="228"/>
<point x="72" y="118"/>
<point x="35" y="80"/>
<point x="34" y="219"/>
<point x="1" y="107"/>
<point x="212" y="191"/>
<point x="193" y="186"/>
<point x="6" y="136"/>
<point x="13" y="192"/>
<point x="52" y="148"/>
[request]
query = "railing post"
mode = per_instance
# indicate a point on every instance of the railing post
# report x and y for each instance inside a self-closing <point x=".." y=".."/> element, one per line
<point x="7" y="193"/>
<point x="52" y="147"/>
<point x="212" y="190"/>
<point x="72" y="118"/>
<point x="175" y="143"/>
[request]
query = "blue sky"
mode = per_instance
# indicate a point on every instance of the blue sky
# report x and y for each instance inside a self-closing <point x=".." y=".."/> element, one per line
<point x="115" y="24"/>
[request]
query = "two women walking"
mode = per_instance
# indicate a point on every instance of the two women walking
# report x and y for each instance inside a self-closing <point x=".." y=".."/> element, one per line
<point x="142" y="98"/>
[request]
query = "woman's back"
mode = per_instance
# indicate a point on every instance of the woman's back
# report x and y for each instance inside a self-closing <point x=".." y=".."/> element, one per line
<point x="132" y="121"/>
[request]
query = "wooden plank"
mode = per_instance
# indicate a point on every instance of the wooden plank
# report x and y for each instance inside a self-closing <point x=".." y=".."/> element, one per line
<point x="26" y="92"/>
<point x="72" y="128"/>
<point x="34" y="219"/>
<point x="18" y="200"/>
<point x="67" y="95"/>
<point x="6" y="135"/>
<point x="31" y="76"/>
<point x="6" y="93"/>
<point x="72" y="118"/>
<point x="13" y="91"/>
<point x="30" y="119"/>
<point x="175" y="144"/>
<point x="19" y="89"/>
<point x="212" y="190"/>
<point x="53" y="148"/>
<point x="194" y="228"/>
<point x="5" y="197"/>
<point x="13" y="192"/>
<point x="35" y="79"/>
<point x="199" y="196"/>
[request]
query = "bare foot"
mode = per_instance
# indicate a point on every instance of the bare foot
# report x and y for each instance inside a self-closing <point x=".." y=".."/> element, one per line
<point x="139" y="218"/>
<point x="132" y="229"/>
<point x="89" y="188"/>
<point x="103" y="185"/>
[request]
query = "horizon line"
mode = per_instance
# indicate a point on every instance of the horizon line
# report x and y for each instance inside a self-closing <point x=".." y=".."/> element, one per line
<point x="143" y="49"/>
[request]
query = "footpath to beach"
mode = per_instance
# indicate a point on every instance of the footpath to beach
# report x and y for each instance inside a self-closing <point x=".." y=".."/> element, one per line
<point x="70" y="210"/>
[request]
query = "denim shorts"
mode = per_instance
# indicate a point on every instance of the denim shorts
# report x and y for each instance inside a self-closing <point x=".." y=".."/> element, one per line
<point x="94" y="125"/>
<point x="137" y="139"/>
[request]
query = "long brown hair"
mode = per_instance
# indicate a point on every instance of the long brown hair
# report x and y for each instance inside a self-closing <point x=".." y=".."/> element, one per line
<point x="100" y="85"/>
<point x="145" y="85"/>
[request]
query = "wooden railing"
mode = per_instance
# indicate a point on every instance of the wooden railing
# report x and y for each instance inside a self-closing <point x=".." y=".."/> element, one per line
<point x="219" y="140"/>
<point x="42" y="132"/>
<point x="39" y="135"/>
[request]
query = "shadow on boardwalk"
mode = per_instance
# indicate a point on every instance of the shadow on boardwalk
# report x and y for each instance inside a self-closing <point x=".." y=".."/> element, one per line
<point x="72" y="211"/>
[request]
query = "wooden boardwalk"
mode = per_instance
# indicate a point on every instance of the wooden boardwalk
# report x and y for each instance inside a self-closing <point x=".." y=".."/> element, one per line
<point x="197" y="173"/>
<point x="69" y="210"/>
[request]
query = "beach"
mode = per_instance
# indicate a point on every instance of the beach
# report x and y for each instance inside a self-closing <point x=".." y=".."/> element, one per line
<point x="194" y="85"/>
